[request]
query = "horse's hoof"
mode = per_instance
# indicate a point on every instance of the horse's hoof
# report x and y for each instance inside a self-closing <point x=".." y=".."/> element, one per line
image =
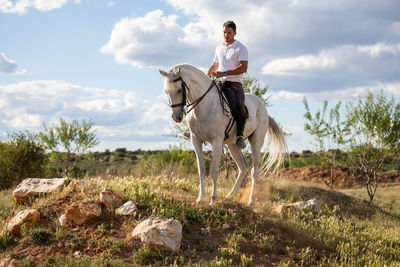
<point x="213" y="201"/>
<point x="199" y="200"/>
<point x="250" y="204"/>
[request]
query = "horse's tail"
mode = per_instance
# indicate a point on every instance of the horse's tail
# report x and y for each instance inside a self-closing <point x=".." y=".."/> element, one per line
<point x="278" y="150"/>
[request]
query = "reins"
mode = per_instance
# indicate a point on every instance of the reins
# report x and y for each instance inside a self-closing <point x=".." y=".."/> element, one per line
<point x="184" y="99"/>
<point x="222" y="99"/>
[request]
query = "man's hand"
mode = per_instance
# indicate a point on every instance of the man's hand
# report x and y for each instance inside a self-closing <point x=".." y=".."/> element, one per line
<point x="218" y="74"/>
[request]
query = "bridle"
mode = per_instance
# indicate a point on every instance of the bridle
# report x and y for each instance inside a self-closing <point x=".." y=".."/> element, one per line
<point x="184" y="104"/>
<point x="223" y="101"/>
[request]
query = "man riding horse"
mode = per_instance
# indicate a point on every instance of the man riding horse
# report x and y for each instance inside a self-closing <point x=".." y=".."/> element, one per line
<point x="230" y="62"/>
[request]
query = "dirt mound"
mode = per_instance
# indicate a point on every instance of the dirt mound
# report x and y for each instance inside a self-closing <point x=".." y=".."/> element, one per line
<point x="337" y="177"/>
<point x="105" y="236"/>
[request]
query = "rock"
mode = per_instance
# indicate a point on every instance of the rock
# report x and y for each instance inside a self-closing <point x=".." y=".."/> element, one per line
<point x="111" y="198"/>
<point x="7" y="262"/>
<point x="128" y="208"/>
<point x="64" y="221"/>
<point x="226" y="226"/>
<point x="205" y="231"/>
<point x="79" y="185"/>
<point x="286" y="209"/>
<point x="33" y="187"/>
<point x="77" y="254"/>
<point x="79" y="213"/>
<point x="27" y="218"/>
<point x="162" y="233"/>
<point x="311" y="204"/>
<point x="295" y="208"/>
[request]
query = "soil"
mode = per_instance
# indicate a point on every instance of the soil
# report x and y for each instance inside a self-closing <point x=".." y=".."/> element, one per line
<point x="198" y="248"/>
<point x="338" y="177"/>
<point x="91" y="241"/>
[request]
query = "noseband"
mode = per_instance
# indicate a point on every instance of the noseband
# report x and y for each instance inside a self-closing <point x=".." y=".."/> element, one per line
<point x="183" y="88"/>
<point x="184" y="99"/>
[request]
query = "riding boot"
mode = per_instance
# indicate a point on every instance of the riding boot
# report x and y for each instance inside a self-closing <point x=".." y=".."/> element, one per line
<point x="239" y="139"/>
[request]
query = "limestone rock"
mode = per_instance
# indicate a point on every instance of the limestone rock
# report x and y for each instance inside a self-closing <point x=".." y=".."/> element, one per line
<point x="163" y="233"/>
<point x="312" y="204"/>
<point x="286" y="209"/>
<point x="33" y="187"/>
<point x="79" y="185"/>
<point x="111" y="198"/>
<point x="226" y="226"/>
<point x="64" y="221"/>
<point x="295" y="208"/>
<point x="79" y="213"/>
<point x="27" y="218"/>
<point x="128" y="208"/>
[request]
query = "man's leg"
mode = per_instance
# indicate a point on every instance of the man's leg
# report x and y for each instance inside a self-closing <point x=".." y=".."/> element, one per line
<point x="241" y="113"/>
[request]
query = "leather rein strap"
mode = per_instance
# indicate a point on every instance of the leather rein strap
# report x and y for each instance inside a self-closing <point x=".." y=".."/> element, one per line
<point x="184" y="99"/>
<point x="223" y="102"/>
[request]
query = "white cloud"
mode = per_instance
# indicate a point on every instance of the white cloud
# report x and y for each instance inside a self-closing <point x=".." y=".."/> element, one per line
<point x="9" y="66"/>
<point x="348" y="93"/>
<point x="292" y="66"/>
<point x="22" y="7"/>
<point x="380" y="48"/>
<point x="116" y="113"/>
<point x="143" y="41"/>
<point x="111" y="3"/>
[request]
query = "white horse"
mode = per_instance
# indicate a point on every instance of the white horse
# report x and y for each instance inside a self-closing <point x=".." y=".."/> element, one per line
<point x="207" y="123"/>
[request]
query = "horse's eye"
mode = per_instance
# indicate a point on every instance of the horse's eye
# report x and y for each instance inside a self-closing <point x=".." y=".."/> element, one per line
<point x="179" y="91"/>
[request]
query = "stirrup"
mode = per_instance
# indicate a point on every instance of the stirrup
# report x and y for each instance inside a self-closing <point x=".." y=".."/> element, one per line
<point x="240" y="142"/>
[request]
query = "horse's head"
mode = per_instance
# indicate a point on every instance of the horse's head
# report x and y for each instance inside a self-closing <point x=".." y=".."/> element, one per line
<point x="176" y="93"/>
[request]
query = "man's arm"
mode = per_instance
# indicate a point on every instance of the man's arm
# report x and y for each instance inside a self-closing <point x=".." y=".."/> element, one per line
<point x="212" y="68"/>
<point x="242" y="68"/>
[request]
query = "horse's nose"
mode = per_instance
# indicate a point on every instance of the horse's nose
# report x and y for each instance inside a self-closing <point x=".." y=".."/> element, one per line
<point x="177" y="118"/>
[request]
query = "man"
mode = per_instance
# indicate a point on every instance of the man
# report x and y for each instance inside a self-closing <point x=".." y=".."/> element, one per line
<point x="230" y="62"/>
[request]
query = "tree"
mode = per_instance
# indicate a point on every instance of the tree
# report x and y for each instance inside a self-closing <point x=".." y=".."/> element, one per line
<point x="375" y="124"/>
<point x="70" y="138"/>
<point x="334" y="132"/>
<point x="22" y="156"/>
<point x="316" y="125"/>
<point x="370" y="131"/>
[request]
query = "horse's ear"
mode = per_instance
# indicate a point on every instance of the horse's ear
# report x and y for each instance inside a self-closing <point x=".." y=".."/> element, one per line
<point x="163" y="73"/>
<point x="178" y="72"/>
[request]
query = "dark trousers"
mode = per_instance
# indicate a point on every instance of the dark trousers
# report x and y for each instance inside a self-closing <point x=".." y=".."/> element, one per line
<point x="236" y="96"/>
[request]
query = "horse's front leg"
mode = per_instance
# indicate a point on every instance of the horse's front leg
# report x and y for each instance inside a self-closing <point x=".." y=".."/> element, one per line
<point x="198" y="148"/>
<point x="216" y="156"/>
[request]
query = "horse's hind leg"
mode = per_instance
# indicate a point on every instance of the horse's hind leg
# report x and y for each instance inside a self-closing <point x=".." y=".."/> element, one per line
<point x="237" y="156"/>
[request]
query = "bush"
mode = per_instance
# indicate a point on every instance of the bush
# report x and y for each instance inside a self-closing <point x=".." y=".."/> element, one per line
<point x="174" y="156"/>
<point x="20" y="157"/>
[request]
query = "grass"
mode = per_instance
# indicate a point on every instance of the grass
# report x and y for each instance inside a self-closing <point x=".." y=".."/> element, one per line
<point x="348" y="232"/>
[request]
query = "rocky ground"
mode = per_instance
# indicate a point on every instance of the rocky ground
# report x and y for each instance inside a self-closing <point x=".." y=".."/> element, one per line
<point x="228" y="234"/>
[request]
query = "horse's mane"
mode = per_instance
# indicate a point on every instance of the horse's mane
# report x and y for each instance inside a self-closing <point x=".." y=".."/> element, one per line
<point x="188" y="68"/>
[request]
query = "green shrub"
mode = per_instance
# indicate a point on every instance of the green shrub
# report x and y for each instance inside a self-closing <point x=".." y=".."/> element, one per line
<point x="22" y="156"/>
<point x="39" y="236"/>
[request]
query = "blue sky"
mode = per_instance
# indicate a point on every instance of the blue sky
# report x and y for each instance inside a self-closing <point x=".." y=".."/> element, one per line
<point x="99" y="60"/>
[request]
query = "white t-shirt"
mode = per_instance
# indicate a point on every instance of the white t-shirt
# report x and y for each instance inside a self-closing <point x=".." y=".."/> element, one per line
<point x="228" y="58"/>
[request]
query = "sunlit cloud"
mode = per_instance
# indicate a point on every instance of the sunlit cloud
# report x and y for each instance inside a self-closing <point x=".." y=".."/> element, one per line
<point x="22" y="7"/>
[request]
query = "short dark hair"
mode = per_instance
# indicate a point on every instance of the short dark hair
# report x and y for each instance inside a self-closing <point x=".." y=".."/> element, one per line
<point x="230" y="24"/>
